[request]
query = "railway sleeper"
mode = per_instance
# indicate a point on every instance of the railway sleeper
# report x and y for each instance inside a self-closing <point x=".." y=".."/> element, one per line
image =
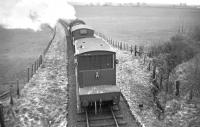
<point x="102" y="121"/>
<point x="99" y="117"/>
<point x="107" y="118"/>
<point x="108" y="124"/>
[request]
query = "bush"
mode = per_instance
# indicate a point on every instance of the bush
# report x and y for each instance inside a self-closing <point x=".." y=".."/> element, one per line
<point x="195" y="34"/>
<point x="173" y="52"/>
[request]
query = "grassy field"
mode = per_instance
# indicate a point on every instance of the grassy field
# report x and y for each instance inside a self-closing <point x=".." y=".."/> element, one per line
<point x="18" y="49"/>
<point x="140" y="25"/>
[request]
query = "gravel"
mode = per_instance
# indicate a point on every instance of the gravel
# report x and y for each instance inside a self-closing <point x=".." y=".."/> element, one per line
<point x="134" y="81"/>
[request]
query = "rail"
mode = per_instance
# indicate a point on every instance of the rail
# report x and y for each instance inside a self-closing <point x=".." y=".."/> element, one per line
<point x="102" y="118"/>
<point x="87" y="120"/>
<point x="114" y="117"/>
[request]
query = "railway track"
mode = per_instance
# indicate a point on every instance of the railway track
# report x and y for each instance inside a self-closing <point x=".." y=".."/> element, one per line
<point x="108" y="117"/>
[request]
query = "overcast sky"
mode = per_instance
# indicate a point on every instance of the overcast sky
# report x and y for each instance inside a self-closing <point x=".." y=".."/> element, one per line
<point x="10" y="3"/>
<point x="33" y="13"/>
<point x="188" y="2"/>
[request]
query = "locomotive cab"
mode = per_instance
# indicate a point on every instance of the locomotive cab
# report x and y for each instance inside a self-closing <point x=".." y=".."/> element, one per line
<point x="95" y="72"/>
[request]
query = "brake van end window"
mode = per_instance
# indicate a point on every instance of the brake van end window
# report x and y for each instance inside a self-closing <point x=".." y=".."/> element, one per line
<point x="95" y="62"/>
<point x="83" y="31"/>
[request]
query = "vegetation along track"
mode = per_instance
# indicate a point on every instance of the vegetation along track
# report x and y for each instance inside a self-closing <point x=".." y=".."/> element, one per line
<point x="108" y="117"/>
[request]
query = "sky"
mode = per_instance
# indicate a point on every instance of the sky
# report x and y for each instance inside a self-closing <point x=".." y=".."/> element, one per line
<point x="32" y="13"/>
<point x="188" y="2"/>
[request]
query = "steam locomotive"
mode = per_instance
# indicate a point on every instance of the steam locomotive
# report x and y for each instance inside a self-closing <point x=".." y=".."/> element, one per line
<point x="95" y="68"/>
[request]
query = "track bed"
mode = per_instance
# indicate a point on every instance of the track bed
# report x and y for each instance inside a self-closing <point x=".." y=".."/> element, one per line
<point x="104" y="119"/>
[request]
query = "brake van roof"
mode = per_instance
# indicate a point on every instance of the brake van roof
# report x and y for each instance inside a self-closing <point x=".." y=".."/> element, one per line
<point x="91" y="44"/>
<point x="81" y="26"/>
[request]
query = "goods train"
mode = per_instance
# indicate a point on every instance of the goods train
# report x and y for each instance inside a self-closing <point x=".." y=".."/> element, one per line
<point x="95" y="68"/>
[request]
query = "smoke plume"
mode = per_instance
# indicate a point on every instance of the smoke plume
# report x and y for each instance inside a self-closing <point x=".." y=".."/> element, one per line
<point x="32" y="14"/>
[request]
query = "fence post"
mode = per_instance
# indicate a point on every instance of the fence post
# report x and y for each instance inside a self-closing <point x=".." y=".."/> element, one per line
<point x="149" y="66"/>
<point x="161" y="79"/>
<point x="177" y="86"/>
<point x="32" y="70"/>
<point x="28" y="69"/>
<point x="38" y="64"/>
<point x="35" y="67"/>
<point x="166" y="87"/>
<point x="18" y="94"/>
<point x="167" y="84"/>
<point x="131" y="49"/>
<point x="154" y="72"/>
<point x="135" y="50"/>
<point x="118" y="45"/>
<point x="1" y="116"/>
<point x="40" y="59"/>
<point x="11" y="98"/>
<point x="144" y="58"/>
<point x="112" y="42"/>
<point x="140" y="50"/>
<point x="191" y="94"/>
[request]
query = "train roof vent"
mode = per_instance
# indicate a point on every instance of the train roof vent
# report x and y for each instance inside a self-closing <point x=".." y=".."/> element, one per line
<point x="80" y="46"/>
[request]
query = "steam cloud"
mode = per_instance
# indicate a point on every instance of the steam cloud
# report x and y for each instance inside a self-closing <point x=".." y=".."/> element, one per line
<point x="32" y="13"/>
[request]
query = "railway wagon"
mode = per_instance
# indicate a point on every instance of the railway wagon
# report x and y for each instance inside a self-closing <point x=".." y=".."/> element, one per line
<point x="75" y="22"/>
<point x="95" y="73"/>
<point x="95" y="69"/>
<point x="81" y="31"/>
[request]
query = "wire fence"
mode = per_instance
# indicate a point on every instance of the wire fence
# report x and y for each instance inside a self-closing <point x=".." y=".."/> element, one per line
<point x="13" y="87"/>
<point x="24" y="76"/>
<point x="149" y="62"/>
<point x="137" y="50"/>
<point x="158" y="80"/>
